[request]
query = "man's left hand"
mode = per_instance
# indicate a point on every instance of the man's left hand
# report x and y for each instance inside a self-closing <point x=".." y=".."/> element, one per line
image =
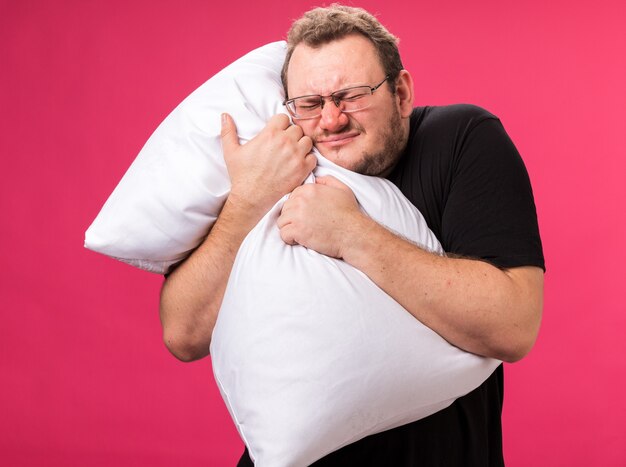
<point x="322" y="216"/>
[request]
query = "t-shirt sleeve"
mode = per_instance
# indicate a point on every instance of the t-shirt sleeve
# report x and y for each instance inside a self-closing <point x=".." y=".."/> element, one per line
<point x="490" y="210"/>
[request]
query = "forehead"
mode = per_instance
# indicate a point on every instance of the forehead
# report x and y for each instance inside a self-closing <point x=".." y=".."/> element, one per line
<point x="349" y="61"/>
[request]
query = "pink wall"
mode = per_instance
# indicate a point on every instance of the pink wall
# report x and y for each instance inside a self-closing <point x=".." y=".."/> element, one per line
<point x="85" y="378"/>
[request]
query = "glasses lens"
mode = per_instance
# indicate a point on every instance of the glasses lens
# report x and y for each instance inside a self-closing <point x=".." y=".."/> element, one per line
<point x="306" y="107"/>
<point x="348" y="100"/>
<point x="354" y="99"/>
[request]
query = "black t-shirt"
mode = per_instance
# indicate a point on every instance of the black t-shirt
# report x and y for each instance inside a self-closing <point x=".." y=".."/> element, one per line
<point x="463" y="173"/>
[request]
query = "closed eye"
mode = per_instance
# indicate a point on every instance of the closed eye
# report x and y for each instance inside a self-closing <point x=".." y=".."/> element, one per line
<point x="307" y="104"/>
<point x="353" y="96"/>
<point x="350" y="95"/>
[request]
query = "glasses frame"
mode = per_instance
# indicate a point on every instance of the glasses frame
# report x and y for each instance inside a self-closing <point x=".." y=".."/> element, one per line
<point x="334" y="98"/>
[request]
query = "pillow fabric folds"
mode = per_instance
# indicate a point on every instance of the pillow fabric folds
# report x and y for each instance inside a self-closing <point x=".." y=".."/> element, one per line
<point x="174" y="190"/>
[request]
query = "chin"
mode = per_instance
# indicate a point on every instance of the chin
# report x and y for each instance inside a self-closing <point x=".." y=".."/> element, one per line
<point x="374" y="165"/>
<point x="377" y="165"/>
<point x="377" y="161"/>
<point x="336" y="157"/>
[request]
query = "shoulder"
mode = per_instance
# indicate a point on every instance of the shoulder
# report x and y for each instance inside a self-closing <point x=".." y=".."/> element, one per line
<point x="447" y="132"/>
<point x="445" y="117"/>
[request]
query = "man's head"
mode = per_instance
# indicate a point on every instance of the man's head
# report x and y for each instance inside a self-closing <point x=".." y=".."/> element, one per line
<point x="323" y="25"/>
<point x="330" y="49"/>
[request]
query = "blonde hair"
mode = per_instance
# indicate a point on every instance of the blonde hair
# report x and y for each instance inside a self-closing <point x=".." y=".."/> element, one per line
<point x="323" y="25"/>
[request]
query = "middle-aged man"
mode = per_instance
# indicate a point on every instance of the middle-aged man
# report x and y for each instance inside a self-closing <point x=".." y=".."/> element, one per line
<point x="455" y="164"/>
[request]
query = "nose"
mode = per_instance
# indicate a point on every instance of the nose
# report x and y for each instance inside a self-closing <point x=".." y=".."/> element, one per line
<point x="332" y="118"/>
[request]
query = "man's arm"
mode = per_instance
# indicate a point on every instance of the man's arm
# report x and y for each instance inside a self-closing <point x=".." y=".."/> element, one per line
<point x="472" y="304"/>
<point x="261" y="172"/>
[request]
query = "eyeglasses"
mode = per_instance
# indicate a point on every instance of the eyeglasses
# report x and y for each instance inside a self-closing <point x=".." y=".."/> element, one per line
<point x="347" y="100"/>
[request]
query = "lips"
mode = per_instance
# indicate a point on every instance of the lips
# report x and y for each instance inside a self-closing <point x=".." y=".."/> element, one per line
<point x="338" y="140"/>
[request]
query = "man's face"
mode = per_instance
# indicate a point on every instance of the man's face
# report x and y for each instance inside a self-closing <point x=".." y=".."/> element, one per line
<point x="368" y="141"/>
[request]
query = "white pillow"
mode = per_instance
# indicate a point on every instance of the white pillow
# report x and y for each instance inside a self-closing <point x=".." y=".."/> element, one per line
<point x="172" y="193"/>
<point x="310" y="355"/>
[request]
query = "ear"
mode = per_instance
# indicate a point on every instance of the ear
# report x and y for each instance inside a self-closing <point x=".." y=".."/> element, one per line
<point x="404" y="93"/>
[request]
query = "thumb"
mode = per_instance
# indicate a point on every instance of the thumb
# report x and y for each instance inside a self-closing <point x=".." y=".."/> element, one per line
<point x="331" y="181"/>
<point x="229" y="133"/>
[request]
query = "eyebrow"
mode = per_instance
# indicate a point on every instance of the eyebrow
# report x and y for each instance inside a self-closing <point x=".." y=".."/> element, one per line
<point x="342" y="85"/>
<point x="347" y="86"/>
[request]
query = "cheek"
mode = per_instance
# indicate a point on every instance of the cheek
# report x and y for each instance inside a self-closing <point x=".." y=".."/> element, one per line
<point x="376" y="140"/>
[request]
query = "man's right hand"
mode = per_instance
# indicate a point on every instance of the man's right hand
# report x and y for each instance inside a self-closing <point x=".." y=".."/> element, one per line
<point x="270" y="165"/>
<point x="262" y="171"/>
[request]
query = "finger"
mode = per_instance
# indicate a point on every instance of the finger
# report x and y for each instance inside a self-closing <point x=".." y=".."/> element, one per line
<point x="306" y="144"/>
<point x="295" y="131"/>
<point x="279" y="121"/>
<point x="286" y="233"/>
<point x="283" y="219"/>
<point x="331" y="181"/>
<point x="310" y="162"/>
<point x="228" y="133"/>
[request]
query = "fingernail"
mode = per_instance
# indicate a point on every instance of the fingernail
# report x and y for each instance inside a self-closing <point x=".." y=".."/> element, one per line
<point x="223" y="119"/>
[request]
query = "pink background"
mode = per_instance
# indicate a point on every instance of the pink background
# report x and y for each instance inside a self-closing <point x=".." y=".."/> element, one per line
<point x="85" y="377"/>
